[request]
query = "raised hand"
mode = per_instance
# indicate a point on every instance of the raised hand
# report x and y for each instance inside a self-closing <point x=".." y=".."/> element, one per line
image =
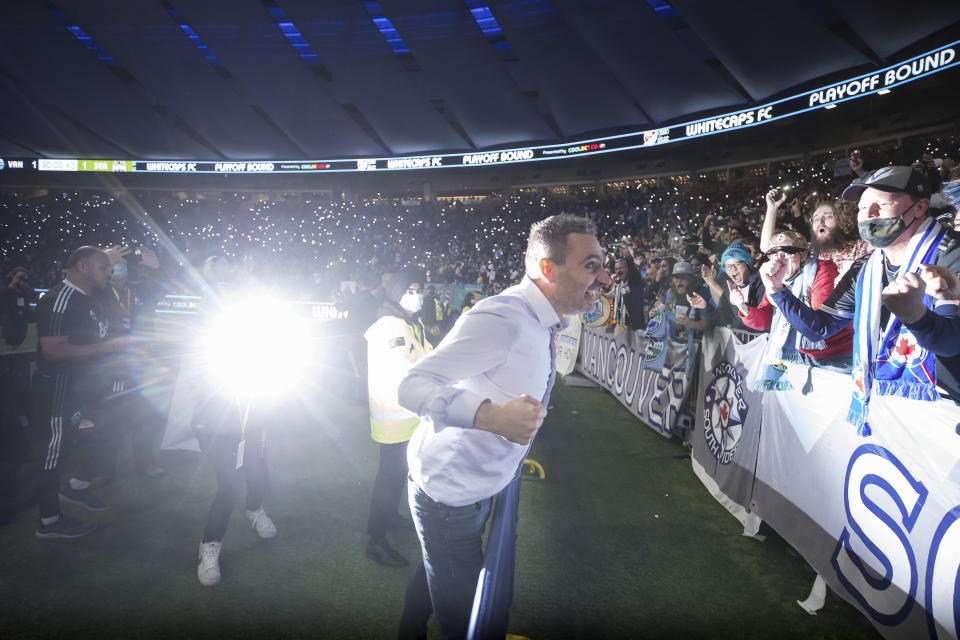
<point x="942" y="283"/>
<point x="904" y="297"/>
<point x="117" y="253"/>
<point x="773" y="273"/>
<point x="696" y="300"/>
<point x="773" y="201"/>
<point x="736" y="296"/>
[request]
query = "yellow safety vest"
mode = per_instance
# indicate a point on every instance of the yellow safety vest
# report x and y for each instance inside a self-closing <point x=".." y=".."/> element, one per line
<point x="393" y="346"/>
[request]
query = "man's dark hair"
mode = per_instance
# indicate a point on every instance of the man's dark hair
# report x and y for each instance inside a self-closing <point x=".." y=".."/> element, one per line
<point x="548" y="239"/>
<point x="81" y="254"/>
<point x="632" y="272"/>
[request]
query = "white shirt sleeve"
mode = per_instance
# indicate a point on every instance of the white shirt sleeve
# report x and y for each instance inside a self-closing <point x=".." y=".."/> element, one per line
<point x="478" y="342"/>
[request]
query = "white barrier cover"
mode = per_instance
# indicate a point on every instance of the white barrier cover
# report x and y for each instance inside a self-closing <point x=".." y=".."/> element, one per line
<point x="614" y="363"/>
<point x="876" y="516"/>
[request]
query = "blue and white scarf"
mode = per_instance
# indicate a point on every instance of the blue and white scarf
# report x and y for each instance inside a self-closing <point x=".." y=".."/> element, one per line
<point x="780" y="347"/>
<point x="891" y="363"/>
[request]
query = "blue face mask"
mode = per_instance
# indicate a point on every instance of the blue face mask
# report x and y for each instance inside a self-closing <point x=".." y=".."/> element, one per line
<point x="951" y="191"/>
<point x="120" y="270"/>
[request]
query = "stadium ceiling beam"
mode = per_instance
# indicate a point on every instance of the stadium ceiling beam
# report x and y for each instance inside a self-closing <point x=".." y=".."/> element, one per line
<point x="211" y="58"/>
<point x="676" y="22"/>
<point x="577" y="26"/>
<point x="39" y="107"/>
<point x="490" y="27"/>
<point x="396" y="43"/>
<point x="128" y="80"/>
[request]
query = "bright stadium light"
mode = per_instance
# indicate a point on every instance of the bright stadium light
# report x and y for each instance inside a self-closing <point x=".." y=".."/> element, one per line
<point x="258" y="348"/>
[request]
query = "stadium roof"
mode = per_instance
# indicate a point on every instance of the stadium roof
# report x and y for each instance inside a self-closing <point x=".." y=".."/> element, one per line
<point x="297" y="79"/>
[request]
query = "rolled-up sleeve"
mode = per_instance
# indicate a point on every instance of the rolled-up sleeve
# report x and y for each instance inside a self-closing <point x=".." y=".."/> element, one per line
<point x="477" y="343"/>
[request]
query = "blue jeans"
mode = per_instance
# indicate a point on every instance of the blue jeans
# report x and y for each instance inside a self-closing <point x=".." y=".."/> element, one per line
<point x="451" y="539"/>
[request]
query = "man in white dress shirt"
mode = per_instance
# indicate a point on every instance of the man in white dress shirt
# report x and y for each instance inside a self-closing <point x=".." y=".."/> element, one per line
<point x="483" y="395"/>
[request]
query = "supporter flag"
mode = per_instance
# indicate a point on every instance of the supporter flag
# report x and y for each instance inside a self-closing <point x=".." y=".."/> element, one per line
<point x="656" y="353"/>
<point x="727" y="432"/>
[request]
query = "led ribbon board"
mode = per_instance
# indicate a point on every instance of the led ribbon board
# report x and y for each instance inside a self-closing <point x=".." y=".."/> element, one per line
<point x="885" y="79"/>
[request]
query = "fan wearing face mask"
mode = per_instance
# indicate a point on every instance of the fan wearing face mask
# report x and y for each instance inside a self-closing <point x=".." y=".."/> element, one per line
<point x="394" y="343"/>
<point x="902" y="298"/>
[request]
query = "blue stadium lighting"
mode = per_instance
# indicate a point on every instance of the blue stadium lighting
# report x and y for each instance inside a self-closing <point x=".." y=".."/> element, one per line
<point x="386" y="28"/>
<point x="485" y="20"/>
<point x="488" y="24"/>
<point x="291" y="33"/>
<point x="194" y="38"/>
<point x="663" y="9"/>
<point x="80" y="35"/>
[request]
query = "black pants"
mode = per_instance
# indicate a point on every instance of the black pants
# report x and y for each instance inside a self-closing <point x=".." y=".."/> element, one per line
<point x="221" y="449"/>
<point x="55" y="402"/>
<point x="387" y="488"/>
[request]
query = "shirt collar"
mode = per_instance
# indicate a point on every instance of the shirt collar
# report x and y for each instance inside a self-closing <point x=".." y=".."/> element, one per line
<point x="73" y="286"/>
<point x="546" y="314"/>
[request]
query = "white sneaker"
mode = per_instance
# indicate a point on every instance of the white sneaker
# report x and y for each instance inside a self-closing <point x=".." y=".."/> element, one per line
<point x="208" y="572"/>
<point x="260" y="521"/>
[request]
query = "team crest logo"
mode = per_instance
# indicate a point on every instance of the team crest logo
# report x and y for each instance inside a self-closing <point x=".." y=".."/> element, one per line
<point x="656" y="320"/>
<point x="906" y="350"/>
<point x="905" y="354"/>
<point x="724" y="412"/>
<point x="600" y="313"/>
<point x="655" y="348"/>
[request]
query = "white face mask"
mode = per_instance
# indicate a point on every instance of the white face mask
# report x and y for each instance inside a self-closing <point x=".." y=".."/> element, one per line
<point x="412" y="302"/>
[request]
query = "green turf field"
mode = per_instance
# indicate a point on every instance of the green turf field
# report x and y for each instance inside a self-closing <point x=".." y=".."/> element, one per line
<point x="619" y="541"/>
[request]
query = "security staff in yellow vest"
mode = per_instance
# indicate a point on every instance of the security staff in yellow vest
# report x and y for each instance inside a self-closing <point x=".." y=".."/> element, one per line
<point x="394" y="343"/>
<point x="433" y="316"/>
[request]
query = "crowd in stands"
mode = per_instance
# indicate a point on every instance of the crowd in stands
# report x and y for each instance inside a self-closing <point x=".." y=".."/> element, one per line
<point x="306" y="244"/>
<point x="788" y="248"/>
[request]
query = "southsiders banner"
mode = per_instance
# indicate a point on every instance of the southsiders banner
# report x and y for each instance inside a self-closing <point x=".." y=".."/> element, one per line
<point x="727" y="427"/>
<point x="875" y="516"/>
<point x="617" y="365"/>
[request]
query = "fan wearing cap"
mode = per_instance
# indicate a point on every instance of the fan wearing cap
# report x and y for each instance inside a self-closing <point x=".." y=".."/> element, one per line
<point x="394" y="343"/>
<point x="899" y="297"/>
<point x="740" y="277"/>
<point x="682" y="302"/>
<point x="809" y="280"/>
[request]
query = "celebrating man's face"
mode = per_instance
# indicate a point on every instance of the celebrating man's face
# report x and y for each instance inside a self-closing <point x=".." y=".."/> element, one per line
<point x="581" y="277"/>
<point x="825" y="229"/>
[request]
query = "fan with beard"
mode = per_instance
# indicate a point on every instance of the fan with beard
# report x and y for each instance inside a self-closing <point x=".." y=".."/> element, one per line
<point x="824" y="239"/>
